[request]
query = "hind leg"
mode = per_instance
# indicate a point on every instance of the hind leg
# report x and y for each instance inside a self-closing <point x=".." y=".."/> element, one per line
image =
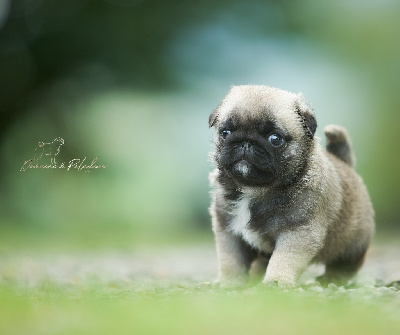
<point x="341" y="270"/>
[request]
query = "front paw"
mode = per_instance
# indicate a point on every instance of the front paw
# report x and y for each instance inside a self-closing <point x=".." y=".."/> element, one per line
<point x="278" y="283"/>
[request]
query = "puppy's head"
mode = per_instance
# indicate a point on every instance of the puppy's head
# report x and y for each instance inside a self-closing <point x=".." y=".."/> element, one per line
<point x="263" y="135"/>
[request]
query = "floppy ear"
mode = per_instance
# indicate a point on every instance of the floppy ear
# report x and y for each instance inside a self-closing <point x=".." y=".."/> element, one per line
<point x="213" y="117"/>
<point x="307" y="117"/>
<point x="311" y="122"/>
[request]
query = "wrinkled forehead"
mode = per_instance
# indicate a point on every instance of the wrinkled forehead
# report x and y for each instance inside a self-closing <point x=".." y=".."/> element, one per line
<point x="252" y="106"/>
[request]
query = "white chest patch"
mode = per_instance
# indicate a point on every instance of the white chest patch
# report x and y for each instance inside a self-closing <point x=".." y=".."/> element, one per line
<point x="239" y="226"/>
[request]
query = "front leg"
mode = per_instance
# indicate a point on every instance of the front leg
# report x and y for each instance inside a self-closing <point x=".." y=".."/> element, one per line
<point x="234" y="258"/>
<point x="294" y="251"/>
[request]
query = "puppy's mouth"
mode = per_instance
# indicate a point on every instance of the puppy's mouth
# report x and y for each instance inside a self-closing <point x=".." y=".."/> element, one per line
<point x="241" y="168"/>
<point x="250" y="174"/>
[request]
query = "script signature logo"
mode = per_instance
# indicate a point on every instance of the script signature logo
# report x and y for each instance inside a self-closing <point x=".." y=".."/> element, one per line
<point x="44" y="157"/>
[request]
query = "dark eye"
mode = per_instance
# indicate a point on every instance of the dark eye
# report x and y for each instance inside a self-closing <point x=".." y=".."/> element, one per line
<point x="276" y="140"/>
<point x="225" y="133"/>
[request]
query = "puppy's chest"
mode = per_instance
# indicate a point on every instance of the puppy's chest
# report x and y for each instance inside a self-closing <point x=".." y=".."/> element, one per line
<point x="242" y="225"/>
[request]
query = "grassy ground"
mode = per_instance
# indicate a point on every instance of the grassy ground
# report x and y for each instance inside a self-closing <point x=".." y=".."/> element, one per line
<point x="96" y="309"/>
<point x="156" y="291"/>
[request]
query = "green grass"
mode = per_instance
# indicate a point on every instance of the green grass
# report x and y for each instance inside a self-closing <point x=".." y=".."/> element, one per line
<point x="93" y="304"/>
<point x="97" y="309"/>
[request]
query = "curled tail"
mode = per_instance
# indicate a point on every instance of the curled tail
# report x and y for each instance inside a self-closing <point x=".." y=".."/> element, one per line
<point x="338" y="143"/>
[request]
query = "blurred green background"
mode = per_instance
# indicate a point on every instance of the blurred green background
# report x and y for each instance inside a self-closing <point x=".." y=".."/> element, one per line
<point x="132" y="82"/>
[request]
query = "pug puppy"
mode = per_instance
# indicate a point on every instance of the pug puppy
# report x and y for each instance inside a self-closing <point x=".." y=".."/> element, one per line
<point x="279" y="198"/>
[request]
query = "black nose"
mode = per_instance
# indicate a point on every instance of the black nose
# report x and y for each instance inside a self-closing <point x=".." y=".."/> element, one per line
<point x="246" y="145"/>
